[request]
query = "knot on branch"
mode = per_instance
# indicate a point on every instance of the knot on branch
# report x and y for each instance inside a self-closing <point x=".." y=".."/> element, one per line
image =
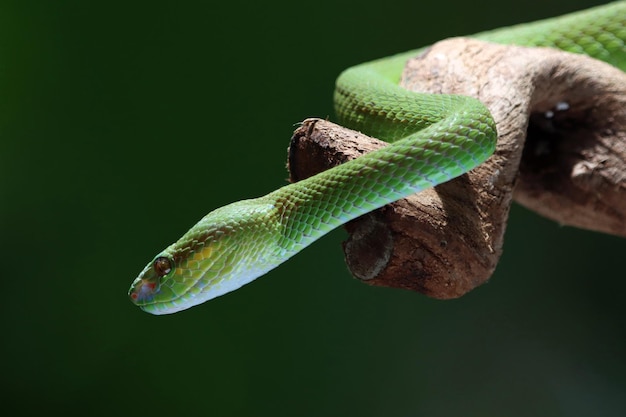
<point x="561" y="121"/>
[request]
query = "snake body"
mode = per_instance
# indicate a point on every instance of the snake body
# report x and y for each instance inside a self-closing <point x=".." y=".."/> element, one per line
<point x="434" y="138"/>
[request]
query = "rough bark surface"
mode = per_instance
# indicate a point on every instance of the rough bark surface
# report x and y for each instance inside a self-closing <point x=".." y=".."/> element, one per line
<point x="561" y="151"/>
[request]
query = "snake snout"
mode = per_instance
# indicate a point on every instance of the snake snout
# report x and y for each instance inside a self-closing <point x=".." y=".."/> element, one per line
<point x="144" y="287"/>
<point x="142" y="290"/>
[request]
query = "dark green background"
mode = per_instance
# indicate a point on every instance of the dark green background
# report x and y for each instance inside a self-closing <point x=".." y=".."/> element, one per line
<point x="122" y="123"/>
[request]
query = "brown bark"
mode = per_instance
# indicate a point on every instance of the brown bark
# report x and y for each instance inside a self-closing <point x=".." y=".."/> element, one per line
<point x="561" y="151"/>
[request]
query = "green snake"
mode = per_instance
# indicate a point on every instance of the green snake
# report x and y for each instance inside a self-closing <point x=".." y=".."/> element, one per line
<point x="434" y="138"/>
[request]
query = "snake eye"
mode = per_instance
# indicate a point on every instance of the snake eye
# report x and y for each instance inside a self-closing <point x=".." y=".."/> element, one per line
<point x="162" y="266"/>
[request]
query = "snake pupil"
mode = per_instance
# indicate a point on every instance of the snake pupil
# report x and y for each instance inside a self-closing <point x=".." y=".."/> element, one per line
<point x="162" y="266"/>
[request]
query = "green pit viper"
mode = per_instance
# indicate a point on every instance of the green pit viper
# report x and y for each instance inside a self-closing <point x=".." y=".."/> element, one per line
<point x="434" y="138"/>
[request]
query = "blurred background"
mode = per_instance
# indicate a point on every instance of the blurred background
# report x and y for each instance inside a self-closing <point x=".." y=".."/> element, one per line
<point x="123" y="123"/>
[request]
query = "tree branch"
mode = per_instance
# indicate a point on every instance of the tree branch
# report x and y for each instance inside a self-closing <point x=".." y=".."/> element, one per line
<point x="571" y="168"/>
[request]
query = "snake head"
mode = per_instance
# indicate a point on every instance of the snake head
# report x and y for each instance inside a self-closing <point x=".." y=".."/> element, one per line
<point x="228" y="248"/>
